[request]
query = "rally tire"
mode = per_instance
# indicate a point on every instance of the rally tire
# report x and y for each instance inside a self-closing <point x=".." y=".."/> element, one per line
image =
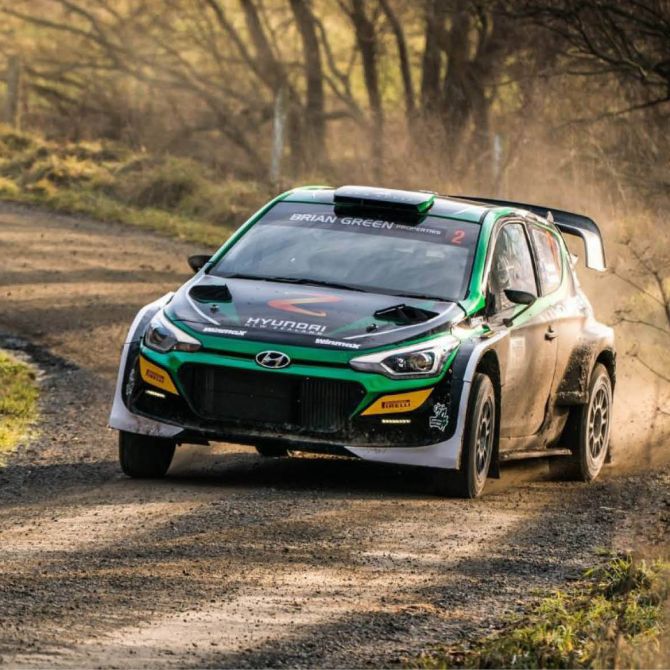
<point x="589" y="428"/>
<point x="143" y="456"/>
<point x="478" y="443"/>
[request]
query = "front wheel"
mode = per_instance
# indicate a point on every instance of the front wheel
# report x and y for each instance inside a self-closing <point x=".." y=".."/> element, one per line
<point x="589" y="427"/>
<point x="144" y="456"/>
<point x="478" y="445"/>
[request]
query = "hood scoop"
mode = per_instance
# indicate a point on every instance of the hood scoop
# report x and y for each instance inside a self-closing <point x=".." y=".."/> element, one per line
<point x="210" y="293"/>
<point x="404" y="314"/>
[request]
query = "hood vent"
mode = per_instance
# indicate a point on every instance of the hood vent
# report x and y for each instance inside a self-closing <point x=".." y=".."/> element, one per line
<point x="404" y="314"/>
<point x="210" y="293"/>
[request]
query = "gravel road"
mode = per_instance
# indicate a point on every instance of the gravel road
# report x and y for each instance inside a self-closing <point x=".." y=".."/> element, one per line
<point x="234" y="560"/>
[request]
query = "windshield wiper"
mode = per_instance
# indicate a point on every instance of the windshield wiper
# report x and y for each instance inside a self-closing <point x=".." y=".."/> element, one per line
<point x="297" y="280"/>
<point x="321" y="282"/>
<point x="422" y="296"/>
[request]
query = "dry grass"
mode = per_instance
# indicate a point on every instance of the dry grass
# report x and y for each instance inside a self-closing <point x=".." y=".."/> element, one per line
<point x="18" y="401"/>
<point x="171" y="195"/>
<point x="613" y="618"/>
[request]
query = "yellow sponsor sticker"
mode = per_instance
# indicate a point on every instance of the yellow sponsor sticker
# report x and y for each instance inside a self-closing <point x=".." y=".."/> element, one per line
<point x="398" y="402"/>
<point x="156" y="376"/>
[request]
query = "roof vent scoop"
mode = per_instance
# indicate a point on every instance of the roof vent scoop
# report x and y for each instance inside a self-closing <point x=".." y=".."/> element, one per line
<point x="411" y="202"/>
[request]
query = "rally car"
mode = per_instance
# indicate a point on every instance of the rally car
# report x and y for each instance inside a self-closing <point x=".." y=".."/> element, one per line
<point x="394" y="326"/>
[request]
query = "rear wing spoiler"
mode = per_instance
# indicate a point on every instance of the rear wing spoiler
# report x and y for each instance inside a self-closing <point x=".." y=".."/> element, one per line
<point x="566" y="222"/>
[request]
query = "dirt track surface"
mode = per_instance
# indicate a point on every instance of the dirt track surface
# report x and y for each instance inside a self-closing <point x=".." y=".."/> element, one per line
<point x="234" y="560"/>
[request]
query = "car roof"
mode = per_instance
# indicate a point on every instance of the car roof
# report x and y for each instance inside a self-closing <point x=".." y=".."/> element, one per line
<point x="442" y="206"/>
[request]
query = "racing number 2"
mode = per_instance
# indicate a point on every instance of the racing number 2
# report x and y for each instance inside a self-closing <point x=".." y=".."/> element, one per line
<point x="458" y="236"/>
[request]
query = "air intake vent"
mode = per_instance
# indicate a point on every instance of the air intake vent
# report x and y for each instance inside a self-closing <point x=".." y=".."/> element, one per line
<point x="210" y="293"/>
<point x="266" y="398"/>
<point x="409" y="202"/>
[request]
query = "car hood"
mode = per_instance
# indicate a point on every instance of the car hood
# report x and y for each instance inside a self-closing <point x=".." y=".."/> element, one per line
<point x="305" y="315"/>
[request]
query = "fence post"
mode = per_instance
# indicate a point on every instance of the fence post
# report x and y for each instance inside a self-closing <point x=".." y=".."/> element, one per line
<point x="13" y="92"/>
<point x="278" y="132"/>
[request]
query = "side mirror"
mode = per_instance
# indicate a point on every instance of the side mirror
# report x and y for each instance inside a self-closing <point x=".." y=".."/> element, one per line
<point x="198" y="262"/>
<point x="520" y="297"/>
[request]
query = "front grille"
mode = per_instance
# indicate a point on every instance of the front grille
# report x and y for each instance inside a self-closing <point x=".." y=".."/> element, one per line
<point x="275" y="399"/>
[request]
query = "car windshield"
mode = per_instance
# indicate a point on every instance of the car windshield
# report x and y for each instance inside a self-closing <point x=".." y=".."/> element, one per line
<point x="312" y="243"/>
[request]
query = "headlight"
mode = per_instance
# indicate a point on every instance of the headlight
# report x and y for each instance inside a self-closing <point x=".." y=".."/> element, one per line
<point x="163" y="336"/>
<point x="419" y="360"/>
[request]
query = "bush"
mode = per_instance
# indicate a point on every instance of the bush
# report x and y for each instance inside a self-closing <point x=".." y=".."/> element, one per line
<point x="613" y="619"/>
<point x="8" y="188"/>
<point x="12" y="141"/>
<point x="164" y="184"/>
<point x="171" y="194"/>
<point x="66" y="171"/>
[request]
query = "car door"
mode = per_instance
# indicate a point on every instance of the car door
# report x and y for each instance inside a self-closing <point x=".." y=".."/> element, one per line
<point x="530" y="350"/>
<point x="569" y="311"/>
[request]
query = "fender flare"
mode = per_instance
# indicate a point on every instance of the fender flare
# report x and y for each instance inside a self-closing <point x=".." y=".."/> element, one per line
<point x="120" y="417"/>
<point x="445" y="454"/>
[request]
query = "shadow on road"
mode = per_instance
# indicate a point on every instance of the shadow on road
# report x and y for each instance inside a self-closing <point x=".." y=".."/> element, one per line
<point x="244" y="469"/>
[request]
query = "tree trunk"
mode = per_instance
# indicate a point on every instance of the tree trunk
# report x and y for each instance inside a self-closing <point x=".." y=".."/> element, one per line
<point x="403" y="57"/>
<point x="456" y="99"/>
<point x="11" y="114"/>
<point x="367" y="45"/>
<point x="268" y="65"/>
<point x="315" y="127"/>
<point x="431" y="61"/>
<point x="278" y="134"/>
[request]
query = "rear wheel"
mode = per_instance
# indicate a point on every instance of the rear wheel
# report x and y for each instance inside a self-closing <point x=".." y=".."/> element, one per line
<point x="144" y="456"/>
<point x="588" y="430"/>
<point x="478" y="443"/>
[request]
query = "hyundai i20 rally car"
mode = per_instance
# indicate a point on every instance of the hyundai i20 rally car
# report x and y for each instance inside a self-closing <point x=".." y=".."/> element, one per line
<point x="394" y="326"/>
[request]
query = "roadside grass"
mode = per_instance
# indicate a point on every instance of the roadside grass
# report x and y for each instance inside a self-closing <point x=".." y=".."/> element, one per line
<point x="613" y="618"/>
<point x="174" y="196"/>
<point x="18" y="401"/>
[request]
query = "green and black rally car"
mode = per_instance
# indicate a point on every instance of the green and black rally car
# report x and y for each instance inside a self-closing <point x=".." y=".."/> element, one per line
<point x="394" y="326"/>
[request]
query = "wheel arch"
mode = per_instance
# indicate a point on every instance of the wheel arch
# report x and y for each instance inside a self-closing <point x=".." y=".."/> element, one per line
<point x="121" y="418"/>
<point x="489" y="365"/>
<point x="607" y="358"/>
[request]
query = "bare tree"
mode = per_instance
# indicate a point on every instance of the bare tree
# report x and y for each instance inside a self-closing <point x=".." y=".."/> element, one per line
<point x="366" y="41"/>
<point x="403" y="59"/>
<point x="649" y="277"/>
<point x="628" y="39"/>
<point x="315" y="112"/>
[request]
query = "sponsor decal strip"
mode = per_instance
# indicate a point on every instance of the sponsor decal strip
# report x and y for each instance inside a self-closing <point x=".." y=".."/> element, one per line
<point x="224" y="331"/>
<point x="156" y="376"/>
<point x="336" y="343"/>
<point x="440" y="417"/>
<point x="364" y="223"/>
<point x="397" y="403"/>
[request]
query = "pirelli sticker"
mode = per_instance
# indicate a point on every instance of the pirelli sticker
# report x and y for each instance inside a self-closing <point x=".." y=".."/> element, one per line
<point x="398" y="402"/>
<point x="155" y="376"/>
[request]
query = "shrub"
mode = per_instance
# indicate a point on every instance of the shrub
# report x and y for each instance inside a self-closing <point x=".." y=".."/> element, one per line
<point x="164" y="184"/>
<point x="9" y="188"/>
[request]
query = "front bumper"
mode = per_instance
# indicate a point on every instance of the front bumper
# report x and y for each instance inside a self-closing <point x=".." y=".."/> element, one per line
<point x="309" y="406"/>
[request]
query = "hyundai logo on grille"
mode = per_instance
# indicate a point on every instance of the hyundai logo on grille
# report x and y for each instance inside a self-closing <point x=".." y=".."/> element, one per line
<point x="272" y="359"/>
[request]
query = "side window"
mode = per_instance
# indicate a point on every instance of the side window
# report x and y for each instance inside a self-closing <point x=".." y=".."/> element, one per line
<point x="512" y="265"/>
<point x="549" y="261"/>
